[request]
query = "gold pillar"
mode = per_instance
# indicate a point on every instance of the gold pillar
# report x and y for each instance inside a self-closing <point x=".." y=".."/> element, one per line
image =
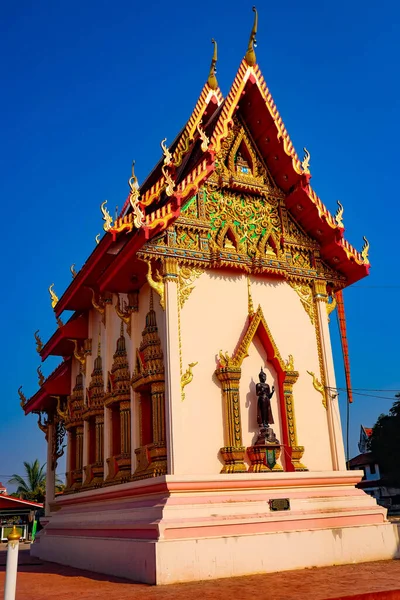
<point x="297" y="451"/>
<point x="79" y="447"/>
<point x="99" y="420"/>
<point x="125" y="412"/>
<point x="234" y="452"/>
<point x="158" y="412"/>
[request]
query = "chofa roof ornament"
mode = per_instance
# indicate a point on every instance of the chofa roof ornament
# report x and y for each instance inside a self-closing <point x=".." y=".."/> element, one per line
<point x="212" y="80"/>
<point x="250" y="55"/>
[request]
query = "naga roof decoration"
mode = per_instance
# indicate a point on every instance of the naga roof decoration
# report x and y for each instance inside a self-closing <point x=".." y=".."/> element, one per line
<point x="194" y="158"/>
<point x="58" y="383"/>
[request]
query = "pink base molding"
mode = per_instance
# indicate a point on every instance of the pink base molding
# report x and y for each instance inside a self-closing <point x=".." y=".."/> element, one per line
<point x="194" y="515"/>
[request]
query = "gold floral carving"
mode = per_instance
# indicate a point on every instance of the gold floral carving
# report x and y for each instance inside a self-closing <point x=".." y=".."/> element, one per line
<point x="306" y="298"/>
<point x="186" y="378"/>
<point x="319" y="387"/>
<point x="186" y="279"/>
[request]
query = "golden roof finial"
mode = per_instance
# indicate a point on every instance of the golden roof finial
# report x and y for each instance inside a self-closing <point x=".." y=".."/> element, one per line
<point x="250" y="55"/>
<point x="250" y="299"/>
<point x="212" y="80"/>
<point x="54" y="298"/>
<point x="73" y="272"/>
<point x="97" y="238"/>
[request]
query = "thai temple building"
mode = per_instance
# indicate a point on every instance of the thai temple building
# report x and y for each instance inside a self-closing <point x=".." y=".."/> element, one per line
<point x="193" y="398"/>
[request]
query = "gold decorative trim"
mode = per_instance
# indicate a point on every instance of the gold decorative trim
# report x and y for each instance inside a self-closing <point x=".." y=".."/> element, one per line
<point x="73" y="272"/>
<point x="186" y="278"/>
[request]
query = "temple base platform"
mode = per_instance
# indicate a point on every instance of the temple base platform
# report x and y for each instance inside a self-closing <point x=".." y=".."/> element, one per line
<point x="171" y="529"/>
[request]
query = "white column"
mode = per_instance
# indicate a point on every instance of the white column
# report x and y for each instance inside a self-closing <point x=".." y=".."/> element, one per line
<point x="12" y="565"/>
<point x="173" y="418"/>
<point x="50" y="471"/>
<point x="333" y="415"/>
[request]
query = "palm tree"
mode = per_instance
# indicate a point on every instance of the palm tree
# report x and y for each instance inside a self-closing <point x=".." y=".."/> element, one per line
<point x="32" y="486"/>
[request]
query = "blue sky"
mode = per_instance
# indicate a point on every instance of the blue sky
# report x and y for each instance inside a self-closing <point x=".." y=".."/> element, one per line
<point x="89" y="86"/>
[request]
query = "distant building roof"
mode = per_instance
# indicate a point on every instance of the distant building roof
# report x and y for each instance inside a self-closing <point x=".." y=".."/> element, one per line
<point x="3" y="490"/>
<point x="7" y="501"/>
<point x="362" y="459"/>
<point x="368" y="430"/>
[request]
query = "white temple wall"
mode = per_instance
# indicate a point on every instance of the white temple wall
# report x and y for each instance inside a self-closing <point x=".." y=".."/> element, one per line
<point x="208" y="327"/>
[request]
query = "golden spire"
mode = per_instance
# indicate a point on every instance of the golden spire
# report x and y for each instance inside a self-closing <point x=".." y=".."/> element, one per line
<point x="250" y="55"/>
<point x="212" y="80"/>
<point x="250" y="299"/>
<point x="54" y="298"/>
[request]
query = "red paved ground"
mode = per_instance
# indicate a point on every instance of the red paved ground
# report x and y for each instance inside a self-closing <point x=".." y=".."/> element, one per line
<point x="44" y="581"/>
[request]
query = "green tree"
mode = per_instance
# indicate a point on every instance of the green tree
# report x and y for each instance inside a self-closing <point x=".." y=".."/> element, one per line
<point x="32" y="485"/>
<point x="384" y="443"/>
